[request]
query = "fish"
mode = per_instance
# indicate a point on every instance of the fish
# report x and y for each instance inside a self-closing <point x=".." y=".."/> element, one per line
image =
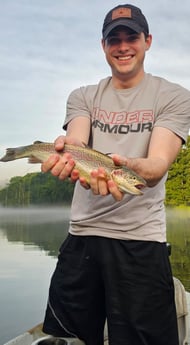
<point x="86" y="159"/>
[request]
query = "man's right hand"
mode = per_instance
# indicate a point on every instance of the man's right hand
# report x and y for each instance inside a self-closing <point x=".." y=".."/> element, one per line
<point x="62" y="166"/>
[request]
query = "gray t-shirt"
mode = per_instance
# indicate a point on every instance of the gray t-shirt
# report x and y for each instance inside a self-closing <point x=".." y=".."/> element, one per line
<point x="121" y="122"/>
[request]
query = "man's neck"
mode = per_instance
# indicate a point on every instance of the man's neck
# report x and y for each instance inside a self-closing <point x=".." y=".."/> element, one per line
<point x="127" y="82"/>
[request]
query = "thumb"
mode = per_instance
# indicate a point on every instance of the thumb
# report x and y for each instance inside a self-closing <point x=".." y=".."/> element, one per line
<point x="119" y="160"/>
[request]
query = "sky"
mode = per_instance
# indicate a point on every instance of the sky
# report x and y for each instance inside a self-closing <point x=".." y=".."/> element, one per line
<point x="50" y="47"/>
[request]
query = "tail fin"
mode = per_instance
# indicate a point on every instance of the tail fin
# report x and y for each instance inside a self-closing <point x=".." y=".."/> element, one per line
<point x="11" y="155"/>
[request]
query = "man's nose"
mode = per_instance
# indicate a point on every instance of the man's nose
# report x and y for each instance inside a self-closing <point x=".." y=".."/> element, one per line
<point x="123" y="45"/>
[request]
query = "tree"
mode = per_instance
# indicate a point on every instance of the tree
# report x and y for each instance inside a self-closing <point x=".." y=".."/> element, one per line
<point x="177" y="185"/>
<point x="36" y="188"/>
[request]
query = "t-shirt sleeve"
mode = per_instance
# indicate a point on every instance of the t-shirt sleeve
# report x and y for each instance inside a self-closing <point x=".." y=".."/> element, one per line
<point x="174" y="112"/>
<point x="76" y="106"/>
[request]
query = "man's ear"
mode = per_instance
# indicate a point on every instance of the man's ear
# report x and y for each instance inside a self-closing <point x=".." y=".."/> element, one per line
<point x="148" y="40"/>
<point x="103" y="43"/>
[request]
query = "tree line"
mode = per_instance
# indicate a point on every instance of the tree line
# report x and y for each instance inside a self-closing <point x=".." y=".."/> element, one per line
<point x="36" y="189"/>
<point x="178" y="182"/>
<point x="39" y="188"/>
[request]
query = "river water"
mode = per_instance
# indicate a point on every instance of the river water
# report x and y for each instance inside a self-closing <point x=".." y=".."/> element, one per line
<point x="29" y="242"/>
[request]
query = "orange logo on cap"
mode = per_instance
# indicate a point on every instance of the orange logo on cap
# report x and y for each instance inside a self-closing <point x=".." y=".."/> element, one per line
<point x="121" y="12"/>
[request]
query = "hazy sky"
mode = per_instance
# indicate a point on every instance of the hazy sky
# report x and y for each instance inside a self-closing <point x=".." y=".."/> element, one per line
<point x="50" y="47"/>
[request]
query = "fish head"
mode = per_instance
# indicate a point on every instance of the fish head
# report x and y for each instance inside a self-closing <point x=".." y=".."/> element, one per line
<point x="128" y="181"/>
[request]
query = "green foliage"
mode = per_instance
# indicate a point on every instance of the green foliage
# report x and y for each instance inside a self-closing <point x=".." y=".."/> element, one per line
<point x="36" y="188"/>
<point x="177" y="185"/>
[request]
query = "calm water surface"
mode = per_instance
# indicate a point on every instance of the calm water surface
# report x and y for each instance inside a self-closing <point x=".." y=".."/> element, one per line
<point x="29" y="243"/>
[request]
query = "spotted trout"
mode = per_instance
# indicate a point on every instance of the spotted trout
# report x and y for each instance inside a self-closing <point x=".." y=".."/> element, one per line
<point x="86" y="160"/>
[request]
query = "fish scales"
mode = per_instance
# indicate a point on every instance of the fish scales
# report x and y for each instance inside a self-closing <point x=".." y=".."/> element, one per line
<point x="86" y="160"/>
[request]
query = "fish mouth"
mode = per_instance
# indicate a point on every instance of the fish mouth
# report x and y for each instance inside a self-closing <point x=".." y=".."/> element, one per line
<point x="140" y="186"/>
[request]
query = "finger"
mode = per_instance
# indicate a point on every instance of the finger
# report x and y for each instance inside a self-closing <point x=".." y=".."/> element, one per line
<point x="98" y="182"/>
<point x="49" y="163"/>
<point x="59" y="168"/>
<point x="102" y="186"/>
<point x="63" y="169"/>
<point x="84" y="183"/>
<point x="102" y="182"/>
<point x="119" y="160"/>
<point x="94" y="181"/>
<point x="113" y="189"/>
<point x="59" y="143"/>
<point x="74" y="175"/>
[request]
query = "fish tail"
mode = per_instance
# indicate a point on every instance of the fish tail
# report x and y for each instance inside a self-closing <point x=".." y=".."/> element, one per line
<point x="12" y="154"/>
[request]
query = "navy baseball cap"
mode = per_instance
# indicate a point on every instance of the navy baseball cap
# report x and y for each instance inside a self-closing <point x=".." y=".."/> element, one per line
<point x="125" y="15"/>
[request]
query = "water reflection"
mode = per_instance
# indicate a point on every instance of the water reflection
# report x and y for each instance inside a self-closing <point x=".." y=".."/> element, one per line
<point x="179" y="236"/>
<point x="29" y="242"/>
<point x="43" y="227"/>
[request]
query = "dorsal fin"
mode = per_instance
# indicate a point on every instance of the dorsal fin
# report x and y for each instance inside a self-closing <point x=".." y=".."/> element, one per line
<point x="38" y="142"/>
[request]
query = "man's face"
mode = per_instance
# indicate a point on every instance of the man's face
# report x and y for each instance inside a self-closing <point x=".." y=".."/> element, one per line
<point x="125" y="52"/>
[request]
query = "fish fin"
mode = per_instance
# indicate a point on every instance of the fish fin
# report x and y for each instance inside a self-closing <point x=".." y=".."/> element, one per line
<point x="86" y="145"/>
<point x="38" y="142"/>
<point x="9" y="156"/>
<point x="33" y="160"/>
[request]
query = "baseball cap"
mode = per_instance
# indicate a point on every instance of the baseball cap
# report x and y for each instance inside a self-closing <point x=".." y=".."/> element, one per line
<point x="125" y="15"/>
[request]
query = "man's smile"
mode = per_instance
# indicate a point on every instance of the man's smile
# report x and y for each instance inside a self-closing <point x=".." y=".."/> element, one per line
<point x="125" y="58"/>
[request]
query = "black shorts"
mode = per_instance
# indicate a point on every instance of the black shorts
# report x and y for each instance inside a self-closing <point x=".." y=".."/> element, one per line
<point x="129" y="283"/>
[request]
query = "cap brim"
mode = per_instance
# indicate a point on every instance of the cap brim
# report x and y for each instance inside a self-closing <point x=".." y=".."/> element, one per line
<point x="122" y="22"/>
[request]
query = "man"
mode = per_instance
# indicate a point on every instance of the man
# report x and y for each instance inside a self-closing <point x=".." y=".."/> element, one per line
<point x="114" y="264"/>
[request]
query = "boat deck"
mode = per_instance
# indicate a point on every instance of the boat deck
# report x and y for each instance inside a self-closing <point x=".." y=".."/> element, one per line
<point x="36" y="336"/>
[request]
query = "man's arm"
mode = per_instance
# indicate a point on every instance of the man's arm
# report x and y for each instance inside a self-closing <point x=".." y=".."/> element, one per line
<point x="163" y="149"/>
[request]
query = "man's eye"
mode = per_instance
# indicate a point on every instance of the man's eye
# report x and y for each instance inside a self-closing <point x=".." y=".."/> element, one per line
<point x="116" y="40"/>
<point x="113" y="40"/>
<point x="132" y="38"/>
